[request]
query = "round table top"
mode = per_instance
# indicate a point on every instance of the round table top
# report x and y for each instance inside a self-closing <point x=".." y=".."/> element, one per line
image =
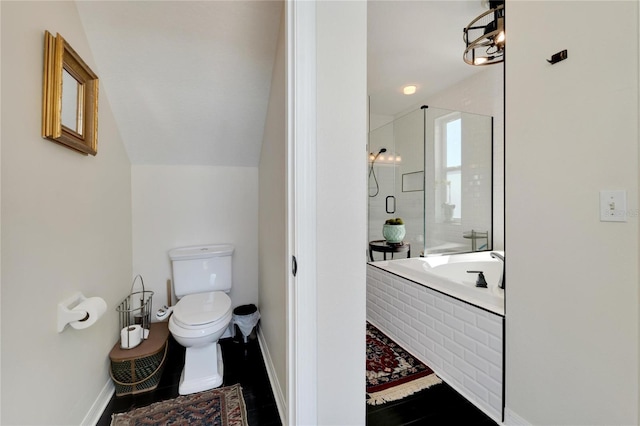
<point x="475" y="235"/>
<point x="383" y="245"/>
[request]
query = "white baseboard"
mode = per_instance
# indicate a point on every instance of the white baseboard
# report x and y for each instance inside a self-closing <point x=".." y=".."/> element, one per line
<point x="512" y="419"/>
<point x="281" y="402"/>
<point x="96" y="410"/>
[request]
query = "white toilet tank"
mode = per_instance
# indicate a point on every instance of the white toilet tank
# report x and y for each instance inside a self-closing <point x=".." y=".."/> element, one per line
<point x="199" y="269"/>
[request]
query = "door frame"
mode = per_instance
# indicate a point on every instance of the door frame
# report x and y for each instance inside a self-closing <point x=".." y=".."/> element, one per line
<point x="300" y="35"/>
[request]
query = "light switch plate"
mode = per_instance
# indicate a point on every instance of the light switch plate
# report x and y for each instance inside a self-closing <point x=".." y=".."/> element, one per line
<point x="613" y="205"/>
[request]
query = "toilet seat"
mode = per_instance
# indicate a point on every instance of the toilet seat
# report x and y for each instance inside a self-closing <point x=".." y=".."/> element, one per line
<point x="202" y="310"/>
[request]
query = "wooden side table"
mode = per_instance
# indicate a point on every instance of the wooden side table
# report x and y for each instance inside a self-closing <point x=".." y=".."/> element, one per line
<point x="139" y="369"/>
<point x="384" y="247"/>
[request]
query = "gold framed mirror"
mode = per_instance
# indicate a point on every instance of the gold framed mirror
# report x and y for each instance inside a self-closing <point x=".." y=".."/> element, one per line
<point x="69" y="98"/>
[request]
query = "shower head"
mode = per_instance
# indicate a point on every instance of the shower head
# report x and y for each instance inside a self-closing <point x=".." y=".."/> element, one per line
<point x="375" y="157"/>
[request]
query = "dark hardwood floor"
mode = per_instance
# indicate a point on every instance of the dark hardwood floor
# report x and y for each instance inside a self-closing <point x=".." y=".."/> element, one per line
<point x="437" y="406"/>
<point x="243" y="363"/>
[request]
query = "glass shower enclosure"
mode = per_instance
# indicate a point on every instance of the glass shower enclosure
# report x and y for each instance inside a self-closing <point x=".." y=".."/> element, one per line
<point x="433" y="168"/>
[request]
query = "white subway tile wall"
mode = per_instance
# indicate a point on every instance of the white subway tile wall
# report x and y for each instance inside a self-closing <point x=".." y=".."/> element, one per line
<point x="460" y="342"/>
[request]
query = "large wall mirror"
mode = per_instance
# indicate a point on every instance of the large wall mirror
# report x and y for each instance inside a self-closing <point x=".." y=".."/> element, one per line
<point x="70" y="97"/>
<point x="435" y="157"/>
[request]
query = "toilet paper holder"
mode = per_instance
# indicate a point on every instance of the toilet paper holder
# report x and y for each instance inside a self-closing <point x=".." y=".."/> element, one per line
<point x="66" y="314"/>
<point x="135" y="309"/>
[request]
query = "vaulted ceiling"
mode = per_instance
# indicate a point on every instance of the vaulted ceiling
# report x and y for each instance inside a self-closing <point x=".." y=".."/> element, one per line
<point x="189" y="81"/>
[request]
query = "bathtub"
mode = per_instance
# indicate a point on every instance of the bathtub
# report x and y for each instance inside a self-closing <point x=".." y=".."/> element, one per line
<point x="448" y="274"/>
<point x="431" y="307"/>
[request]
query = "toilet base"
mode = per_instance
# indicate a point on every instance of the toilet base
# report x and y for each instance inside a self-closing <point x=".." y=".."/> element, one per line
<point x="203" y="369"/>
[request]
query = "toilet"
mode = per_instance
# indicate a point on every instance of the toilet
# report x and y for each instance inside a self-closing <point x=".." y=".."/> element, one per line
<point x="201" y="281"/>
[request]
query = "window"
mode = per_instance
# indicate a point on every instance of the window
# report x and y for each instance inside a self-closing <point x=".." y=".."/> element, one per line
<point x="450" y="167"/>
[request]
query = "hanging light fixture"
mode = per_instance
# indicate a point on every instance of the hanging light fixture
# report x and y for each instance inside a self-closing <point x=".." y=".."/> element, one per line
<point x="484" y="36"/>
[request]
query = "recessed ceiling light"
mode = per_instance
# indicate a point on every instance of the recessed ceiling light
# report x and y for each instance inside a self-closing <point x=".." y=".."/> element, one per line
<point x="409" y="90"/>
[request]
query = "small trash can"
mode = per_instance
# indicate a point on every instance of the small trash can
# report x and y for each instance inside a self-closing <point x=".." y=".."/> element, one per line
<point x="246" y="318"/>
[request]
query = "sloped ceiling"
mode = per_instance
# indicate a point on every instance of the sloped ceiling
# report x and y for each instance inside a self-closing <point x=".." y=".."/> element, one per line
<point x="188" y="81"/>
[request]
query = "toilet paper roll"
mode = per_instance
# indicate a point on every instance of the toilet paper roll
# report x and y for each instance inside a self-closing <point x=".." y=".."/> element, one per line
<point x="95" y="307"/>
<point x="131" y="336"/>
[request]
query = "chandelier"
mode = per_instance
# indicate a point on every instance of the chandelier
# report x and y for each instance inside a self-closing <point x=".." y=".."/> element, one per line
<point x="484" y="36"/>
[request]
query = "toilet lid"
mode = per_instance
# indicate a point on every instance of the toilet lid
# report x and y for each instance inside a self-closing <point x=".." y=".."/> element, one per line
<point x="202" y="308"/>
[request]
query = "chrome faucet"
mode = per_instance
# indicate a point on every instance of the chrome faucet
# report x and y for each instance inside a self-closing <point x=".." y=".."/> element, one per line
<point x="501" y="257"/>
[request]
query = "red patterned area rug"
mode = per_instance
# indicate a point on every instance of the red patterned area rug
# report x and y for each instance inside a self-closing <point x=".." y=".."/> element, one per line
<point x="392" y="372"/>
<point x="219" y="407"/>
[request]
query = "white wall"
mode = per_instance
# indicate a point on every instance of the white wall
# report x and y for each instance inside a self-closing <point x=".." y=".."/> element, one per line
<point x="572" y="281"/>
<point x="341" y="210"/>
<point x="272" y="262"/>
<point x="0" y="227"/>
<point x="176" y="206"/>
<point x="66" y="227"/>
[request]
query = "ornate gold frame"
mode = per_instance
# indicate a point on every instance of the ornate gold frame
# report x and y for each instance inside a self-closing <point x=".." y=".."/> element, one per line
<point x="59" y="57"/>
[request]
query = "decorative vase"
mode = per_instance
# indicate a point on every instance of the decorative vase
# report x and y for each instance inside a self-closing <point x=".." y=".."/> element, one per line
<point x="393" y="234"/>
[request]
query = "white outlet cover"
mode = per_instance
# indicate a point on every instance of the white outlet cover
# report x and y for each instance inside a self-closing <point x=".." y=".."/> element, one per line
<point x="613" y="205"/>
